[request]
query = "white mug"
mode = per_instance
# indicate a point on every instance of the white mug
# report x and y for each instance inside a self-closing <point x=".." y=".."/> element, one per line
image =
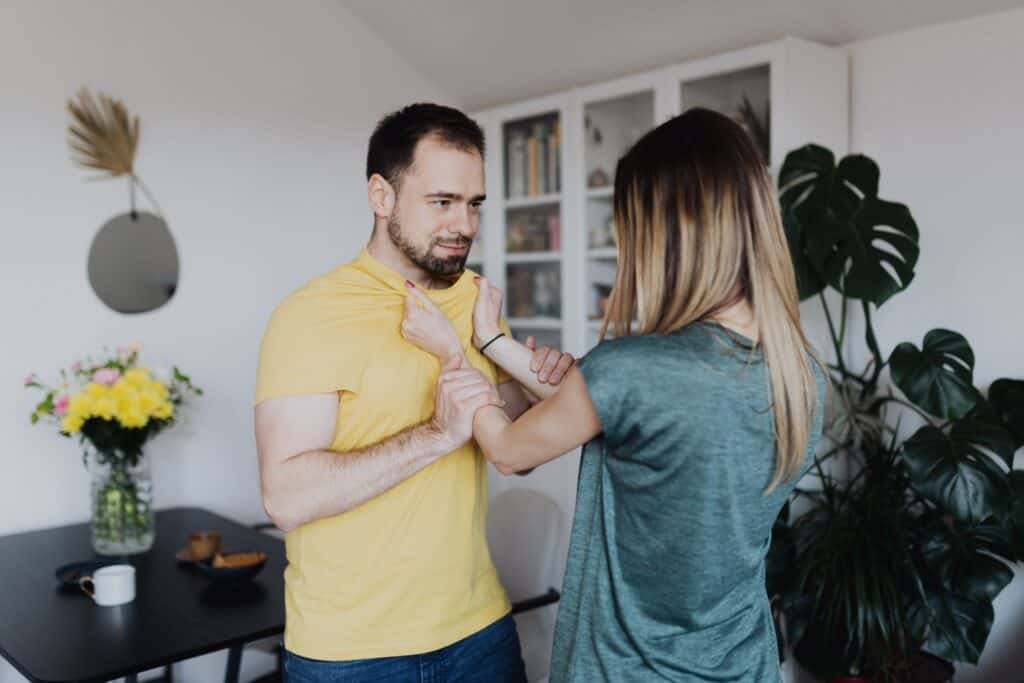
<point x="111" y="585"/>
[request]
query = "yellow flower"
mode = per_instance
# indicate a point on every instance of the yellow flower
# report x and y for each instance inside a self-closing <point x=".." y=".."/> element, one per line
<point x="123" y="406"/>
<point x="137" y="377"/>
<point x="148" y="401"/>
<point x="80" y="404"/>
<point x="159" y="388"/>
<point x="123" y="390"/>
<point x="104" y="408"/>
<point x="94" y="390"/>
<point x="132" y="418"/>
<point x="164" y="411"/>
<point x="71" y="423"/>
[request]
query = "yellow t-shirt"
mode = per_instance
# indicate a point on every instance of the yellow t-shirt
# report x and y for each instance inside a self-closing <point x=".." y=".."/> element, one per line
<point x="408" y="571"/>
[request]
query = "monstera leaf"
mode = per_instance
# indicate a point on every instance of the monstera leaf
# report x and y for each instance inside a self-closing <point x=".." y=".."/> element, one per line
<point x="939" y="377"/>
<point x="863" y="246"/>
<point x="1007" y="398"/>
<point x="955" y="471"/>
<point x="1017" y="514"/>
<point x="957" y="626"/>
<point x="959" y="557"/>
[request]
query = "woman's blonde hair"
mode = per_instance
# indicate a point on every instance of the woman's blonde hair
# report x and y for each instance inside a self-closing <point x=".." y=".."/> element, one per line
<point x="698" y="229"/>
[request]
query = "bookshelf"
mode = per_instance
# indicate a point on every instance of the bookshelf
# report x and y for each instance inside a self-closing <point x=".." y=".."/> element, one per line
<point x="547" y="235"/>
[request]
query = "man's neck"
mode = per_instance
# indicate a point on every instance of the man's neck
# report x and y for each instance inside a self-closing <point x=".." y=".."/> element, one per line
<point x="387" y="254"/>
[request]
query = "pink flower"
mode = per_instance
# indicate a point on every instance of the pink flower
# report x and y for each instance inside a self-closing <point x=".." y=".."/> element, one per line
<point x="106" y="376"/>
<point x="76" y="366"/>
<point x="61" y="406"/>
<point x="30" y="380"/>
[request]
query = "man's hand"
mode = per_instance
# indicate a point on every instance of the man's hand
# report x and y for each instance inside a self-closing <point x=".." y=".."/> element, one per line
<point x="550" y="365"/>
<point x="459" y="393"/>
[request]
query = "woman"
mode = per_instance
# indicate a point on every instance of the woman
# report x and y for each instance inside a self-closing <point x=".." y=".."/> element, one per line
<point x="698" y="417"/>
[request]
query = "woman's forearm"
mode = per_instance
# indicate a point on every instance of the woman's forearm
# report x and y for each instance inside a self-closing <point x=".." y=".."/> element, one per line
<point x="554" y="426"/>
<point x="514" y="358"/>
<point x="490" y="431"/>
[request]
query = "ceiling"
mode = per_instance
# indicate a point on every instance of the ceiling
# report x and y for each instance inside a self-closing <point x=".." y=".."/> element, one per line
<point x="486" y="52"/>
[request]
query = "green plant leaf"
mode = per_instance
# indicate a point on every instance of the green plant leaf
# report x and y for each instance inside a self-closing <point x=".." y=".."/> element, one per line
<point x="938" y="377"/>
<point x="869" y="255"/>
<point x="957" y="554"/>
<point x="981" y="432"/>
<point x="838" y="228"/>
<point x="808" y="281"/>
<point x="1007" y="398"/>
<point x="955" y="475"/>
<point x="805" y="178"/>
<point x="1017" y="514"/>
<point x="805" y="181"/>
<point x="957" y="626"/>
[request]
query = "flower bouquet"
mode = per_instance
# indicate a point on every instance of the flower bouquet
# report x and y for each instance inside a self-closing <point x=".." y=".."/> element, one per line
<point x="114" y="406"/>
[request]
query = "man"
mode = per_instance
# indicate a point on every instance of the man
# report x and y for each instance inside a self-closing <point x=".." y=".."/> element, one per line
<point x="366" y="458"/>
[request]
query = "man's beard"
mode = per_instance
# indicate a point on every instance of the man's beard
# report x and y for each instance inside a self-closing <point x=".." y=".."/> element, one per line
<point x="424" y="258"/>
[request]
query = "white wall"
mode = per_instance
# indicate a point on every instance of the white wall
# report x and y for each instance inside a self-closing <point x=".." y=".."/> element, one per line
<point x="941" y="110"/>
<point x="255" y="118"/>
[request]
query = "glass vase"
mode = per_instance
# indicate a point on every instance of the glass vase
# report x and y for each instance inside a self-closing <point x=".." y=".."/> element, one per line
<point x="123" y="521"/>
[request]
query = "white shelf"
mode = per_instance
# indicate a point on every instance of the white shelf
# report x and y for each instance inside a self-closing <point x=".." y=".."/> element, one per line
<point x="529" y="202"/>
<point x="600" y="192"/>
<point x="536" y="323"/>
<point x="603" y="253"/>
<point x="533" y="257"/>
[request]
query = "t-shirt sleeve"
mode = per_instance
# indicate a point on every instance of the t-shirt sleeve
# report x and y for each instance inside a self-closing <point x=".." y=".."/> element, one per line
<point x="302" y="353"/>
<point x="611" y="374"/>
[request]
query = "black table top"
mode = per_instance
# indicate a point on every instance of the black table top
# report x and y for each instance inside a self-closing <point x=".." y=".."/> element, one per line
<point x="54" y="634"/>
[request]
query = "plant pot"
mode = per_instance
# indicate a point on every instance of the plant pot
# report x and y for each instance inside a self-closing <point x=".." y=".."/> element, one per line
<point x="927" y="668"/>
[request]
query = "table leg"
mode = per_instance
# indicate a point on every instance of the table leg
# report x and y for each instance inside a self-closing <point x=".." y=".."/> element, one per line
<point x="234" y="664"/>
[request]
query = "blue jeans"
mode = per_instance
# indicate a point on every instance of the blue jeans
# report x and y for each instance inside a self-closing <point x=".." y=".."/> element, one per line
<point x="488" y="656"/>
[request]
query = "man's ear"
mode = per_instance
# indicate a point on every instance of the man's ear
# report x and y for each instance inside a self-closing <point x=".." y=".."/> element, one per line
<point x="381" y="195"/>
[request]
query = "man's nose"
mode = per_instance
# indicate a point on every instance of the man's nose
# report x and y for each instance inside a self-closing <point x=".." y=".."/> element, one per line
<point x="464" y="223"/>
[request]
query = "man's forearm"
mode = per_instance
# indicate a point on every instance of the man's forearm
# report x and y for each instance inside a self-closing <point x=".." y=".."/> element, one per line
<point x="316" y="484"/>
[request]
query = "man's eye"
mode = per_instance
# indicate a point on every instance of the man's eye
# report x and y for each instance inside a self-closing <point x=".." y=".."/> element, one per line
<point x="442" y="203"/>
<point x="476" y="206"/>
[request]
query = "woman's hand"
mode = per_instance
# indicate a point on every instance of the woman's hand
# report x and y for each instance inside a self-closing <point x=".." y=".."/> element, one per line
<point x="486" y="312"/>
<point x="426" y="326"/>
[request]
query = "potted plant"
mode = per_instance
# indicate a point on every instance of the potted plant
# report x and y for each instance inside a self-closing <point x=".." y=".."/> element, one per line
<point x="115" y="406"/>
<point x="912" y="512"/>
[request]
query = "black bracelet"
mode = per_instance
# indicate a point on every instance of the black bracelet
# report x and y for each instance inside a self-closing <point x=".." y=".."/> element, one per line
<point x="493" y="339"/>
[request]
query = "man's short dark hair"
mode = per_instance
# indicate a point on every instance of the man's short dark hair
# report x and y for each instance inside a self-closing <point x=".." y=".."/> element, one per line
<point x="394" y="141"/>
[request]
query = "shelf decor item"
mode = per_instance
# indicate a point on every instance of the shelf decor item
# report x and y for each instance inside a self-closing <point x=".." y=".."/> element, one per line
<point x="115" y="406"/>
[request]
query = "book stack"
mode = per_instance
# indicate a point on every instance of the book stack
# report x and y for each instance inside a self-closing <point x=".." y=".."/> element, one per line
<point x="532" y="158"/>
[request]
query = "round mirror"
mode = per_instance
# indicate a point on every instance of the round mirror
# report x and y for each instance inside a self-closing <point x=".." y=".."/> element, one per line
<point x="133" y="263"/>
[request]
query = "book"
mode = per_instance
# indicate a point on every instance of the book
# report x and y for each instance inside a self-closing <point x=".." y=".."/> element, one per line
<point x="541" y="136"/>
<point x="515" y="178"/>
<point x="554" y="232"/>
<point x="554" y="152"/>
<point x="531" y="165"/>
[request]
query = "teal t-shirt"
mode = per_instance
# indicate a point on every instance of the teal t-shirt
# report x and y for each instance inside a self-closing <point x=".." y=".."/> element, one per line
<point x="665" y="578"/>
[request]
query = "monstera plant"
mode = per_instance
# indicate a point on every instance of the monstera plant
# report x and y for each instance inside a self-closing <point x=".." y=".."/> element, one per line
<point x="912" y="513"/>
